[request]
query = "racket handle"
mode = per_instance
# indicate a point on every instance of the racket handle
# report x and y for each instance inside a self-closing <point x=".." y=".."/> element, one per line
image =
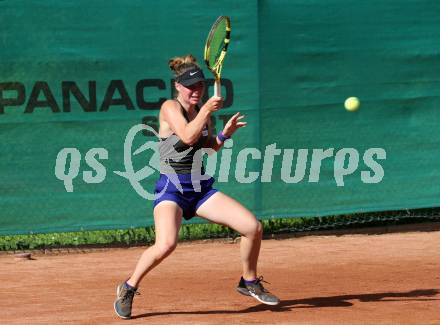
<point x="217" y="88"/>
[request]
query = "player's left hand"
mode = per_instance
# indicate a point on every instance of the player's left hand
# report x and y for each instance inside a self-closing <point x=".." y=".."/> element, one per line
<point x="233" y="124"/>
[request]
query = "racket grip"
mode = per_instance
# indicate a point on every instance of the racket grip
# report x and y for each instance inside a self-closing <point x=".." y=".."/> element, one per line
<point x="217" y="88"/>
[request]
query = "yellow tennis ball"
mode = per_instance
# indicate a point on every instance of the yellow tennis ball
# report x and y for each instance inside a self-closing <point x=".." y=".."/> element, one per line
<point x="352" y="104"/>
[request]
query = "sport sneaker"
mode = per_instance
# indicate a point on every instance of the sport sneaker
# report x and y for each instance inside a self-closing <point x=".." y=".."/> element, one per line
<point x="124" y="301"/>
<point x="257" y="291"/>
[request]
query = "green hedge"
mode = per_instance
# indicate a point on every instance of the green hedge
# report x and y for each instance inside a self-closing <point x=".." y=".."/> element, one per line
<point x="143" y="236"/>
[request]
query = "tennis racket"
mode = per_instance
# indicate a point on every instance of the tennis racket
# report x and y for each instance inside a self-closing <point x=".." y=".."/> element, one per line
<point x="216" y="47"/>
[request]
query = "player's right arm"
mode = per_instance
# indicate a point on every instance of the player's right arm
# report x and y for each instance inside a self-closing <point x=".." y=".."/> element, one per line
<point x="190" y="132"/>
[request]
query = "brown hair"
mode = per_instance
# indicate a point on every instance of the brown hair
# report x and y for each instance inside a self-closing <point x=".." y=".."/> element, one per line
<point x="181" y="64"/>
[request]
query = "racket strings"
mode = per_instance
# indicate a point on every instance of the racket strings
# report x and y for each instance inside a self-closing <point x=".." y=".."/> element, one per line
<point x="217" y="44"/>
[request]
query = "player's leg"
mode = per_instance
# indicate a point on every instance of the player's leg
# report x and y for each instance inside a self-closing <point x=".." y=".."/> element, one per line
<point x="167" y="221"/>
<point x="222" y="209"/>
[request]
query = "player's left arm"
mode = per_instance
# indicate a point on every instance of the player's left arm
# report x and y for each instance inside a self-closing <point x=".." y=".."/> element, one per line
<point x="233" y="124"/>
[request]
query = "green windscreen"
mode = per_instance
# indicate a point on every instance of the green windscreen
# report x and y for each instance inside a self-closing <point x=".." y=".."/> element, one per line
<point x="216" y="42"/>
<point x="73" y="94"/>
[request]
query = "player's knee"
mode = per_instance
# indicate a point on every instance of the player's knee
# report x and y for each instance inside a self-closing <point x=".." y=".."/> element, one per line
<point x="259" y="227"/>
<point x="165" y="248"/>
<point x="254" y="230"/>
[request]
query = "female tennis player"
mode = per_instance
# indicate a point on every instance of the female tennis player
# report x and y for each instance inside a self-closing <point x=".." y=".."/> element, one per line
<point x="187" y="128"/>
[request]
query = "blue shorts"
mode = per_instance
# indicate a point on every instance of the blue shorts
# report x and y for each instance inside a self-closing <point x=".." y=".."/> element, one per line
<point x="189" y="199"/>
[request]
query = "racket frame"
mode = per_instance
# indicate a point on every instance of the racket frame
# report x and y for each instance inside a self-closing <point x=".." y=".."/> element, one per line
<point x="216" y="69"/>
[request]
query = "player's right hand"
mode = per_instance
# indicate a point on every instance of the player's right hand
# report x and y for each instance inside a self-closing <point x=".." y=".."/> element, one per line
<point x="213" y="104"/>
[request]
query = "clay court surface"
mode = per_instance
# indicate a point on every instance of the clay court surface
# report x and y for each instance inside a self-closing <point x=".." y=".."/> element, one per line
<point x="391" y="278"/>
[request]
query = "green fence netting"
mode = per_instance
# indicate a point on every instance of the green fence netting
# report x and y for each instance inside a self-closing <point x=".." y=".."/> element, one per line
<point x="75" y="77"/>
